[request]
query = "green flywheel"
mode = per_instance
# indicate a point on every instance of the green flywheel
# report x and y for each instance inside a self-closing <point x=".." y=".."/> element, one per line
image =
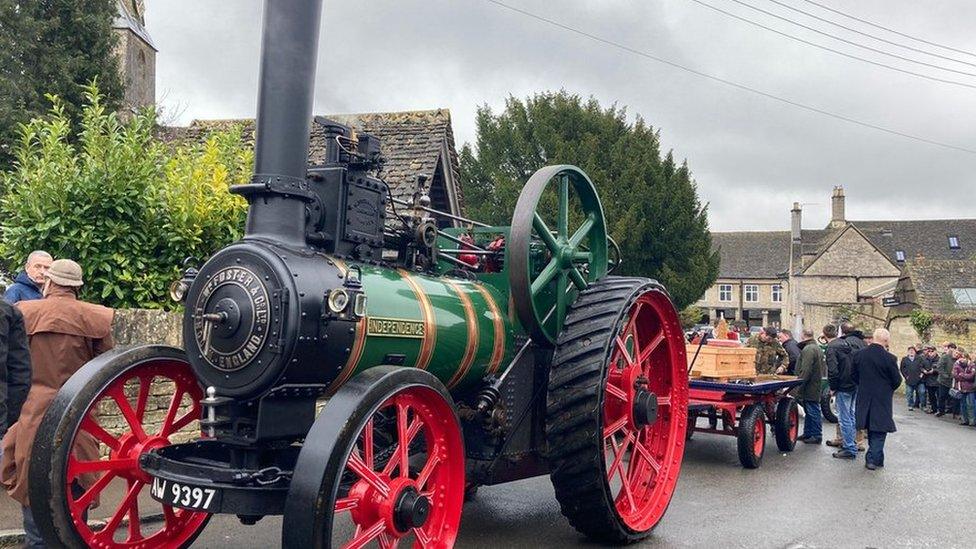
<point x="558" y="245"/>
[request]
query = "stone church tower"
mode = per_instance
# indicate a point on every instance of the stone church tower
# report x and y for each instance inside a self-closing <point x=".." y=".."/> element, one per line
<point x="136" y="53"/>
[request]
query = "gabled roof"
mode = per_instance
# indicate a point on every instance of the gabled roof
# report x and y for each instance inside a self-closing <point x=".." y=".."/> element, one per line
<point x="412" y="142"/>
<point x="756" y="254"/>
<point x="933" y="281"/>
<point x="829" y="237"/>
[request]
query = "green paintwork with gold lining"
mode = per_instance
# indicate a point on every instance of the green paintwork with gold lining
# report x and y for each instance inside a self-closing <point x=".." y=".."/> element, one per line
<point x="459" y="330"/>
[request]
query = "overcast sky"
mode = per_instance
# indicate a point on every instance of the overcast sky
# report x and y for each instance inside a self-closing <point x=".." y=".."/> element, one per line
<point x="751" y="156"/>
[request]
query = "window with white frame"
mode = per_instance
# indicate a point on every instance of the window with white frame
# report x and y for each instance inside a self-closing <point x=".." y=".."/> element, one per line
<point x="953" y="242"/>
<point x="965" y="297"/>
<point x="725" y="292"/>
<point x="752" y="293"/>
<point x="900" y="256"/>
<point x="777" y="293"/>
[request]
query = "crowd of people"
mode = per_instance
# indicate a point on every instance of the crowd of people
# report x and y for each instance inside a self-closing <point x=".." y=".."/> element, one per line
<point x="941" y="382"/>
<point x="46" y="335"/>
<point x="862" y="376"/>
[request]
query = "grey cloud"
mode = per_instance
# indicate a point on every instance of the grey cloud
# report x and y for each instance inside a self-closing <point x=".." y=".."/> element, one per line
<point x="752" y="156"/>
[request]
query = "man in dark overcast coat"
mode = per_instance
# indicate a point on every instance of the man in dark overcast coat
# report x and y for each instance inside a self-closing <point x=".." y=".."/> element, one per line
<point x="875" y="371"/>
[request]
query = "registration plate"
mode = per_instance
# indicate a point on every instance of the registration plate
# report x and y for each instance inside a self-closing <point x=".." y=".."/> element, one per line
<point x="185" y="496"/>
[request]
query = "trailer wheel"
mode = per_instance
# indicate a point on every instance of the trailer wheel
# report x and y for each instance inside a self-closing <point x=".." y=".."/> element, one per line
<point x="617" y="409"/>
<point x="78" y="452"/>
<point x="827" y="406"/>
<point x="787" y="423"/>
<point x="343" y="495"/>
<point x="692" y="423"/>
<point x="752" y="436"/>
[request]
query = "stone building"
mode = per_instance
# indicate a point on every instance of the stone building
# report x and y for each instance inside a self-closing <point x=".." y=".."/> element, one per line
<point x="414" y="143"/>
<point x="944" y="289"/>
<point x="752" y="282"/>
<point x="136" y="53"/>
<point x="841" y="271"/>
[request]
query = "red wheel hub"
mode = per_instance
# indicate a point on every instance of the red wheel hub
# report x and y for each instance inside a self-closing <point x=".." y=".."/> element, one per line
<point x="128" y="401"/>
<point x="643" y="450"/>
<point x="794" y="422"/>
<point x="412" y="487"/>
<point x="758" y="437"/>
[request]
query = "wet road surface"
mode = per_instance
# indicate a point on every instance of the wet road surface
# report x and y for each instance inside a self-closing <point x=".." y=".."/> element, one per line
<point x="924" y="497"/>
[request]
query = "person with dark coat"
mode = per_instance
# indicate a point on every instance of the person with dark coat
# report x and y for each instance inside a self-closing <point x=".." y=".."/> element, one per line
<point x="930" y="378"/>
<point x="810" y="370"/>
<point x="944" y="369"/>
<point x="840" y="352"/>
<point x="27" y="284"/>
<point x="15" y="368"/>
<point x="875" y="371"/>
<point x="792" y="349"/>
<point x="911" y="370"/>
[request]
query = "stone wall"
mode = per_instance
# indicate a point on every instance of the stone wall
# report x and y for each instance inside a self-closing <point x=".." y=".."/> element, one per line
<point x="139" y="327"/>
<point x="903" y="335"/>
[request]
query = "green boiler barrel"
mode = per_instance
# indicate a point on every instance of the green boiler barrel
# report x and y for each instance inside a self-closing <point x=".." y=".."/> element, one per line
<point x="459" y="330"/>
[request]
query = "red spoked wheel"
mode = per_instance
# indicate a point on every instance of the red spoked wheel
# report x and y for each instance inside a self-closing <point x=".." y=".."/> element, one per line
<point x="89" y="490"/>
<point x="398" y="477"/>
<point x="623" y="347"/>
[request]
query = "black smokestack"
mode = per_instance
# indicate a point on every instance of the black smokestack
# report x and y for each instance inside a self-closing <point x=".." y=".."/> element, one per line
<point x="289" y="46"/>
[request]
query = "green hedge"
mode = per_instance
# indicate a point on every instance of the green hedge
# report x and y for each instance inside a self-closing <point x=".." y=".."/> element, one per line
<point x="111" y="196"/>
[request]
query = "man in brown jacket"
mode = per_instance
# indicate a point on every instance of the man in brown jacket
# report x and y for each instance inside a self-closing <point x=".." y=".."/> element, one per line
<point x="64" y="334"/>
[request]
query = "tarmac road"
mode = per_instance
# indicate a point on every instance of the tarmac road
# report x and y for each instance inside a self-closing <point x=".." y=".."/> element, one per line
<point x="803" y="499"/>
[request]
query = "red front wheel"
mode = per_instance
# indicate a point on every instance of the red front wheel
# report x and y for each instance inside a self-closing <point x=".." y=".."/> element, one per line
<point x="88" y="490"/>
<point x="618" y="409"/>
<point x="382" y="466"/>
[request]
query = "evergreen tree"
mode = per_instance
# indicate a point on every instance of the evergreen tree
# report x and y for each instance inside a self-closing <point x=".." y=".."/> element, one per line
<point x="53" y="47"/>
<point x="650" y="201"/>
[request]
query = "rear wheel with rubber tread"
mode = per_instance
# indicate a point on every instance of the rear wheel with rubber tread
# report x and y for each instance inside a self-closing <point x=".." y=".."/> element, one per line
<point x="787" y="423"/>
<point x="588" y="408"/>
<point x="752" y="436"/>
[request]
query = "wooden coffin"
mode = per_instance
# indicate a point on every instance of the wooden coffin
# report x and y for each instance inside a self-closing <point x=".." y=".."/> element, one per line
<point x="723" y="362"/>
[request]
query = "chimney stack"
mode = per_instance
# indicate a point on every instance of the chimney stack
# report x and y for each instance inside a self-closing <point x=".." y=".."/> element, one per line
<point x="796" y="226"/>
<point x="837" y="215"/>
<point x="277" y="192"/>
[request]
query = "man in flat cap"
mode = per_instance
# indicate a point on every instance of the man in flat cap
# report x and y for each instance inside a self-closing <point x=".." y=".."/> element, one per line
<point x="64" y="334"/>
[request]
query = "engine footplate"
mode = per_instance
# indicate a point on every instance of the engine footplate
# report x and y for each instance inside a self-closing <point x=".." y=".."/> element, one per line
<point x="207" y="476"/>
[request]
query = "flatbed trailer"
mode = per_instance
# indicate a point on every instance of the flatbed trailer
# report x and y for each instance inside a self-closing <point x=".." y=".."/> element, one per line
<point x="744" y="408"/>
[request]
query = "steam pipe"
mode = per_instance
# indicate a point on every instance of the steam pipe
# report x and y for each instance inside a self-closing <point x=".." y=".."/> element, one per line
<point x="289" y="47"/>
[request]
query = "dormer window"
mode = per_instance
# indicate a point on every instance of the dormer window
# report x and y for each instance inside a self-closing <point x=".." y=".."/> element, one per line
<point x="900" y="256"/>
<point x="953" y="242"/>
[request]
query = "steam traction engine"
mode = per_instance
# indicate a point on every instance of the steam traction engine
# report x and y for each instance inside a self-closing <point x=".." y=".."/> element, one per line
<point x="448" y="357"/>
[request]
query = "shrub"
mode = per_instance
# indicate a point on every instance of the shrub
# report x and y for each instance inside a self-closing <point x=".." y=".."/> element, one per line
<point x="922" y="322"/>
<point x="113" y="198"/>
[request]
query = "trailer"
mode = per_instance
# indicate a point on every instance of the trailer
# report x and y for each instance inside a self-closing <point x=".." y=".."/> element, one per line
<point x="745" y="407"/>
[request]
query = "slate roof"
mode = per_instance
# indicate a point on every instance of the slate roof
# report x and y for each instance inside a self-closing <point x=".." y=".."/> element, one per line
<point x="757" y="254"/>
<point x="413" y="143"/>
<point x="765" y="254"/>
<point x="922" y="238"/>
<point x="933" y="281"/>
